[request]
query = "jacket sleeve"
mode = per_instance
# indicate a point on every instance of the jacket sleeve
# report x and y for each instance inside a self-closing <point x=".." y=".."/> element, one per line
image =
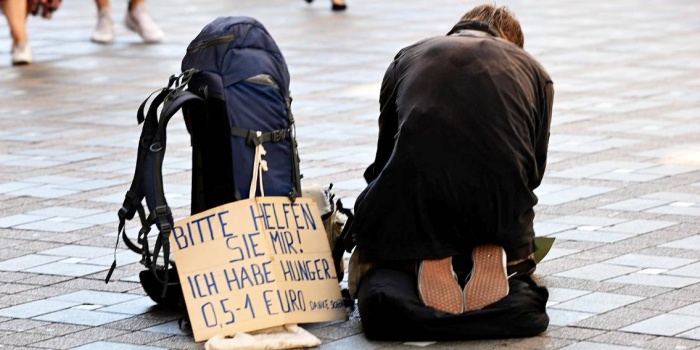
<point x="388" y="123"/>
<point x="542" y="142"/>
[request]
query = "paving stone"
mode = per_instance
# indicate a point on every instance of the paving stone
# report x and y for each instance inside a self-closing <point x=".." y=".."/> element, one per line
<point x="168" y="328"/>
<point x="82" y="317"/>
<point x="35" y="308"/>
<point x="690" y="310"/>
<point x="67" y="269"/>
<point x="636" y="204"/>
<point x="26" y="262"/>
<point x="592" y="236"/>
<point x="598" y="302"/>
<point x="692" y="242"/>
<point x="558" y="317"/>
<point x="655" y="280"/>
<point x="587" y="345"/>
<point x="692" y="270"/>
<point x="668" y="325"/>
<point x="571" y="194"/>
<point x="103" y="345"/>
<point x="597" y="272"/>
<point x="650" y="261"/>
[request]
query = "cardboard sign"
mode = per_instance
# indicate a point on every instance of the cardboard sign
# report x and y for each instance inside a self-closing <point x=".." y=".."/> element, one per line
<point x="255" y="264"/>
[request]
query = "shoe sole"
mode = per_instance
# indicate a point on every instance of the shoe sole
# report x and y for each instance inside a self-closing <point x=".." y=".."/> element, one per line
<point x="489" y="282"/>
<point x="438" y="287"/>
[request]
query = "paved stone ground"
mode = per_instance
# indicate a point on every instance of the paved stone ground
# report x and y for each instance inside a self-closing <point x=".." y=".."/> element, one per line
<point x="621" y="194"/>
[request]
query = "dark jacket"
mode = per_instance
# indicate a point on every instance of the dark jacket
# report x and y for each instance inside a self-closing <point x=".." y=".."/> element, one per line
<point x="463" y="133"/>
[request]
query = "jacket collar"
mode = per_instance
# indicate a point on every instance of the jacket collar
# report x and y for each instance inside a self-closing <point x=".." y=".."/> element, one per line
<point x="473" y="25"/>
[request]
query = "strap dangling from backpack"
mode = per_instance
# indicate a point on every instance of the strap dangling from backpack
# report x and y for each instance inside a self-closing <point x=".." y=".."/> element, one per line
<point x="259" y="166"/>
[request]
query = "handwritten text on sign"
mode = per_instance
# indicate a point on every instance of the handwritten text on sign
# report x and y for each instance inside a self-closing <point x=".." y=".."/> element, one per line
<point x="255" y="264"/>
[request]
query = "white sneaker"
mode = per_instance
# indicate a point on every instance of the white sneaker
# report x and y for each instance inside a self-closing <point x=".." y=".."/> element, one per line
<point x="21" y="54"/>
<point x="104" y="31"/>
<point x="141" y="22"/>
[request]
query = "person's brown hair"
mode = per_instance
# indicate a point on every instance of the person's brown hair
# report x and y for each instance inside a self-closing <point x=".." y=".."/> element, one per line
<point x="501" y="19"/>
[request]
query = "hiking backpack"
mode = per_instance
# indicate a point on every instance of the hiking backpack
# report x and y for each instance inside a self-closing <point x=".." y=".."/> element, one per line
<point x="234" y="95"/>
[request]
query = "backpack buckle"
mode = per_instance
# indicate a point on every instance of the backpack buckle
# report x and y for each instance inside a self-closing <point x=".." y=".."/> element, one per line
<point x="162" y="210"/>
<point x="278" y="135"/>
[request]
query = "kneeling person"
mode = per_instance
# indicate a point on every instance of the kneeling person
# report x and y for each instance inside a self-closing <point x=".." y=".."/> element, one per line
<point x="463" y="134"/>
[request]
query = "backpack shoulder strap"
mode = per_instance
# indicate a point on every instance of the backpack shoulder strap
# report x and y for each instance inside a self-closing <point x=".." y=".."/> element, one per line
<point x="152" y="140"/>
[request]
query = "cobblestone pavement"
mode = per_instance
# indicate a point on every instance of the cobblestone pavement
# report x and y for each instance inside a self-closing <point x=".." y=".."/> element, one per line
<point x="621" y="194"/>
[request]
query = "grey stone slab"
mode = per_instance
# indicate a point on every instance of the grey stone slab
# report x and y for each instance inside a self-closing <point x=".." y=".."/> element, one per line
<point x="67" y="269"/>
<point x="133" y="307"/>
<point x="558" y="317"/>
<point x="597" y="272"/>
<point x="655" y="280"/>
<point x="594" y="169"/>
<point x="559" y="295"/>
<point x="690" y="310"/>
<point x="80" y="156"/>
<point x="547" y="228"/>
<point x="691" y="334"/>
<point x="636" y="204"/>
<point x="676" y="210"/>
<point x="168" y="328"/>
<point x="587" y="220"/>
<point x="555" y="253"/>
<point x="99" y="219"/>
<point x="674" y="196"/>
<point x="53" y="226"/>
<point x="124" y="257"/>
<point x="627" y="177"/>
<point x="90" y="185"/>
<point x="355" y="184"/>
<point x="666" y="325"/>
<point x="33" y="162"/>
<point x="16" y="186"/>
<point x="82" y="317"/>
<point x="121" y="167"/>
<point x="681" y="151"/>
<point x="105" y="345"/>
<point x="332" y="154"/>
<point x="27" y="261"/>
<point x="35" y="308"/>
<point x="598" y="302"/>
<point x="314" y="172"/>
<point x="68" y="212"/>
<point x="592" y="236"/>
<point x="589" y="345"/>
<point x="46" y="191"/>
<point x="670" y="170"/>
<point x="692" y="270"/>
<point x="572" y="194"/>
<point x="650" y="261"/>
<point x="79" y="251"/>
<point x="55" y="180"/>
<point x="692" y="242"/>
<point x="19" y="219"/>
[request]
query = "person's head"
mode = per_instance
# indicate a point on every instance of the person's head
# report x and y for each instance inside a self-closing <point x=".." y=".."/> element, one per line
<point x="500" y="19"/>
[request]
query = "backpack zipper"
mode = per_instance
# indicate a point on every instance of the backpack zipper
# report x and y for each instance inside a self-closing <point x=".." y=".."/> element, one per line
<point x="216" y="41"/>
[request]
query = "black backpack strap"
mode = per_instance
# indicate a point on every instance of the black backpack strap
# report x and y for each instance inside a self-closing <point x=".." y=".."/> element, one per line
<point x="296" y="173"/>
<point x="132" y="199"/>
<point x="149" y="133"/>
<point x="337" y="253"/>
<point x="163" y="216"/>
<point x="252" y="139"/>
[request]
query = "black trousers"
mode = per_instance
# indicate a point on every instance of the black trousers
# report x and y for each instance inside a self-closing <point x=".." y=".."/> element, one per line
<point x="391" y="310"/>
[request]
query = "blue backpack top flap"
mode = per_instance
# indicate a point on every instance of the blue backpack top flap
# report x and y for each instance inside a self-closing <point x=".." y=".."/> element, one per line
<point x="237" y="48"/>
